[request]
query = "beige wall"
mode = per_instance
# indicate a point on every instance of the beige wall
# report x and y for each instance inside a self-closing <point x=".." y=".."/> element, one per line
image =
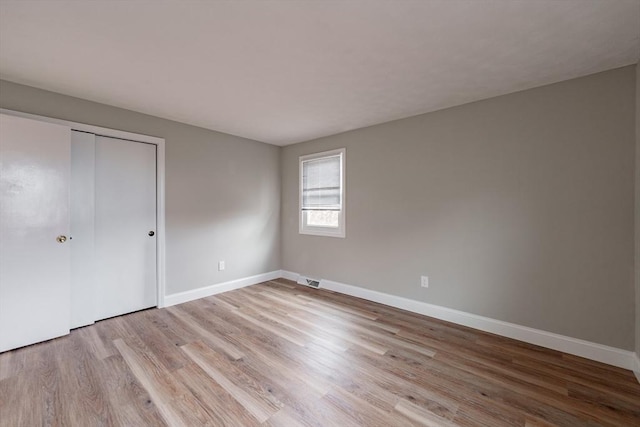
<point x="222" y="192"/>
<point x="519" y="208"/>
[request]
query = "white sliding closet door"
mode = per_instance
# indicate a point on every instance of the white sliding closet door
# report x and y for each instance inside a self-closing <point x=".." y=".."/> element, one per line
<point x="34" y="231"/>
<point x="125" y="226"/>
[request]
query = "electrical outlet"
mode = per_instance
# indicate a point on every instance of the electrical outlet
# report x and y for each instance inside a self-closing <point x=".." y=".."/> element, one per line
<point x="220" y="265"/>
<point x="424" y="281"/>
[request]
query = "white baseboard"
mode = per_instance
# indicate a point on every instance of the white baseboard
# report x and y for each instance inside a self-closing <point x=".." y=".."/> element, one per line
<point x="598" y="352"/>
<point x="180" y="297"/>
<point x="636" y="367"/>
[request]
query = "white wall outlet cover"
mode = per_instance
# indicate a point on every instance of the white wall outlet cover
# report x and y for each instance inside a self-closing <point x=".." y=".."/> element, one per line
<point x="220" y="265"/>
<point x="424" y="281"/>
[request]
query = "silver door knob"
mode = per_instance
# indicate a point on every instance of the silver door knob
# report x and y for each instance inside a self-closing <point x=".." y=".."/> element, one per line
<point x="61" y="239"/>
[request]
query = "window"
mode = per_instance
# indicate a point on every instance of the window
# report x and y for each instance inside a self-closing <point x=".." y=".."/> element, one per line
<point x="322" y="193"/>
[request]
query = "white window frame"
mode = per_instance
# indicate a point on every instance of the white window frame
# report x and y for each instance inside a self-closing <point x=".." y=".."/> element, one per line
<point x="340" y="231"/>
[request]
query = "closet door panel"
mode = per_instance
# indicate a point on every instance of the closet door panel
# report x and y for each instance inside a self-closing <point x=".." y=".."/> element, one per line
<point x="125" y="226"/>
<point x="34" y="231"/>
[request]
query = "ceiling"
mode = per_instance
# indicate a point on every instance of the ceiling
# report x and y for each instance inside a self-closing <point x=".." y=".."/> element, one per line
<point x="282" y="72"/>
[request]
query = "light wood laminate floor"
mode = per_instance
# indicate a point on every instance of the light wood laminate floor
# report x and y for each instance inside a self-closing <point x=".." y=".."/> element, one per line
<point x="280" y="354"/>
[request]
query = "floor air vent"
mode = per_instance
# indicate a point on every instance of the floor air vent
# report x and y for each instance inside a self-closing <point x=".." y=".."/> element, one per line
<point x="312" y="283"/>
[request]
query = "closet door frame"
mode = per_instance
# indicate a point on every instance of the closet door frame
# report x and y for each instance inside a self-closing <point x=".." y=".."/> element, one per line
<point x="160" y="181"/>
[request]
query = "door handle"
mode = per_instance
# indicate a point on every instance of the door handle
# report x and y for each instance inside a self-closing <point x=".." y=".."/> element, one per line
<point x="152" y="233"/>
<point x="61" y="239"/>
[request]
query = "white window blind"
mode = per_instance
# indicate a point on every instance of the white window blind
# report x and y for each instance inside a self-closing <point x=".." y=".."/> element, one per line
<point x="321" y="184"/>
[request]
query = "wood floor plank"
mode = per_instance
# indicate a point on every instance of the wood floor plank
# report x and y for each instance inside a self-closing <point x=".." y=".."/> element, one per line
<point x="360" y="326"/>
<point x="214" y="339"/>
<point x="274" y="329"/>
<point x="220" y="405"/>
<point x="297" y="362"/>
<point x="286" y="386"/>
<point x="491" y="369"/>
<point x="8" y="367"/>
<point x="285" y="283"/>
<point x="285" y="418"/>
<point x="78" y="379"/>
<point x="215" y="301"/>
<point x="252" y="400"/>
<point x="321" y="413"/>
<point x="95" y="343"/>
<point x="107" y="331"/>
<point x="614" y="416"/>
<point x="377" y="323"/>
<point x="341" y="310"/>
<point x="369" y="415"/>
<point x="343" y="335"/>
<point x="131" y="401"/>
<point x="421" y="415"/>
<point x="154" y="338"/>
<point x="170" y="396"/>
<point x="281" y="354"/>
<point x="602" y="382"/>
<point x="280" y="316"/>
<point x="392" y="387"/>
<point x="29" y="397"/>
